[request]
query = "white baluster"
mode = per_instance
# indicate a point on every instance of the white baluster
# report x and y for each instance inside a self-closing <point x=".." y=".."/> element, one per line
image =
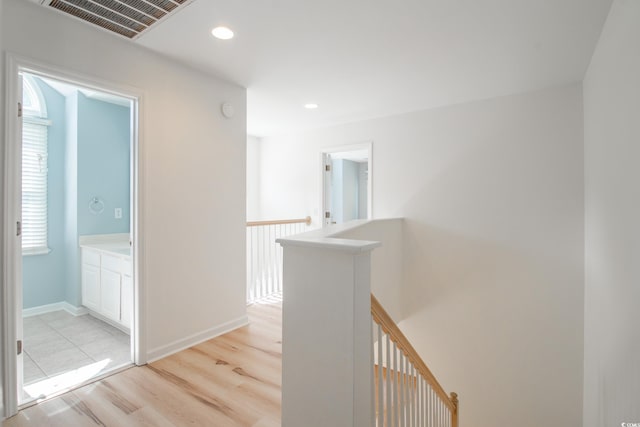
<point x="420" y="402"/>
<point x="388" y="382"/>
<point x="270" y="259"/>
<point x="274" y="256"/>
<point x="431" y="409"/>
<point x="395" y="385"/>
<point x="414" y="402"/>
<point x="407" y="396"/>
<point x="380" y="406"/>
<point x="402" y="405"/>
<point x="255" y="250"/>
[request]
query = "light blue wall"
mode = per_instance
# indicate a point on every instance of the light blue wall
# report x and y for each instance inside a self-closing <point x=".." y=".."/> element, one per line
<point x="88" y="156"/>
<point x="103" y="165"/>
<point x="363" y="189"/>
<point x="43" y="276"/>
<point x="336" y="191"/>
<point x="350" y="182"/>
<point x="344" y="190"/>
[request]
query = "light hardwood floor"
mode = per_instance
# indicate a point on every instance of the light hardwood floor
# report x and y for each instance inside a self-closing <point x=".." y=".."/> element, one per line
<point x="232" y="380"/>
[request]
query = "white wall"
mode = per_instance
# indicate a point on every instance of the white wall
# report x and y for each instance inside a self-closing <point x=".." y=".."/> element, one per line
<point x="492" y="193"/>
<point x="2" y="129"/>
<point x="612" y="201"/>
<point x="387" y="268"/>
<point x="193" y="196"/>
<point x="253" y="178"/>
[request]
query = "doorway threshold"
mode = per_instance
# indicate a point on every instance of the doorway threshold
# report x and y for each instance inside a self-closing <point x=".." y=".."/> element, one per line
<point x="43" y="398"/>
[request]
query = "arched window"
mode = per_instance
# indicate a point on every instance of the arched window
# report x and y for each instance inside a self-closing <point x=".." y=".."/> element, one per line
<point x="33" y="104"/>
<point x="34" y="168"/>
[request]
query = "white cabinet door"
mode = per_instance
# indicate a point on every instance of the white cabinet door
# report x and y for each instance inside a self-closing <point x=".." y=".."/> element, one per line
<point x="91" y="286"/>
<point x="126" y="307"/>
<point x="110" y="294"/>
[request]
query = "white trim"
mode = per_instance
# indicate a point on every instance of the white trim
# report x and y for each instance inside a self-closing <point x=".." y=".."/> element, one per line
<point x="138" y="201"/>
<point x="195" y="339"/>
<point x="81" y="81"/>
<point x="12" y="258"/>
<point x="73" y="310"/>
<point x="56" y="306"/>
<point x="12" y="247"/>
<point x="111" y="322"/>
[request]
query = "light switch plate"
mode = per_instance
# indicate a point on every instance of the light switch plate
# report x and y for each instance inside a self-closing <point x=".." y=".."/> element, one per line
<point x="118" y="213"/>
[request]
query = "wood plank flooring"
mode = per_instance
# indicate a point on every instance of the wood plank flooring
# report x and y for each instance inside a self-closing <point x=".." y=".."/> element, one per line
<point x="232" y="380"/>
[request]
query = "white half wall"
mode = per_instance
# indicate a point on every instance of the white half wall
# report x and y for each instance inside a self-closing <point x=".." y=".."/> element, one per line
<point x="493" y="201"/>
<point x="193" y="190"/>
<point x="612" y="201"/>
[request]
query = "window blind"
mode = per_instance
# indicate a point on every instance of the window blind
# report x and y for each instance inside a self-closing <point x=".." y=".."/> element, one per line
<point x="34" y="187"/>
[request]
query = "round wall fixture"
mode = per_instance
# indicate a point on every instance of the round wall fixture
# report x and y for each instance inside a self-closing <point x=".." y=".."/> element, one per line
<point x="227" y="110"/>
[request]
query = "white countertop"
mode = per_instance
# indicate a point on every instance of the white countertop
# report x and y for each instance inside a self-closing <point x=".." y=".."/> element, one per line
<point x="118" y="244"/>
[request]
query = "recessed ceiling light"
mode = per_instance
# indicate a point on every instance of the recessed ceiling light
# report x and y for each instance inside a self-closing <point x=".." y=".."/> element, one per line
<point x="222" y="33"/>
<point x="311" y="106"/>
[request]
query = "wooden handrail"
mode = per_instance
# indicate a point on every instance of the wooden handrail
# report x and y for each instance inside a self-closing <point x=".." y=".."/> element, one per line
<point x="382" y="318"/>
<point x="306" y="220"/>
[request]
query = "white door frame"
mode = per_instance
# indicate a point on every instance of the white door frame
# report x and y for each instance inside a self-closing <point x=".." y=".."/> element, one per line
<point x="12" y="250"/>
<point x="368" y="145"/>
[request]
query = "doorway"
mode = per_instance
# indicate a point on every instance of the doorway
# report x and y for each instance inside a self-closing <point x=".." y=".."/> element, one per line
<point x="346" y="184"/>
<point x="72" y="281"/>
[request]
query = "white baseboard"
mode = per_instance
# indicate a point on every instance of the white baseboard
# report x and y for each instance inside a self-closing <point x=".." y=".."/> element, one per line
<point x="108" y="321"/>
<point x="190" y="341"/>
<point x="76" y="311"/>
<point x="56" y="306"/>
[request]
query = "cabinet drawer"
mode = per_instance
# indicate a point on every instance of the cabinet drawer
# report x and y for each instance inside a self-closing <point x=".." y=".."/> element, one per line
<point x="127" y="267"/>
<point x="111" y="263"/>
<point x="91" y="257"/>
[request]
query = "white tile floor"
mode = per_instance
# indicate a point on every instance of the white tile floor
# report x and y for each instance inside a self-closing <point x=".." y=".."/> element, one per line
<point x="58" y="342"/>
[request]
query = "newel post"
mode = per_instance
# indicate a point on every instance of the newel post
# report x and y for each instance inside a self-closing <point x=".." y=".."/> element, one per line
<point x="454" y="413"/>
<point x="327" y="375"/>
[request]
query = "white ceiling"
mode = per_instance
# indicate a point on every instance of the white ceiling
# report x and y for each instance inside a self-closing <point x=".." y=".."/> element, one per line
<point x="360" y="59"/>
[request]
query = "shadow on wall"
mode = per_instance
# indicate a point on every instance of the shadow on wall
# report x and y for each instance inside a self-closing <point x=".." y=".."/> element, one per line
<point x="493" y="279"/>
<point x="442" y="264"/>
<point x="482" y="222"/>
<point x="480" y="313"/>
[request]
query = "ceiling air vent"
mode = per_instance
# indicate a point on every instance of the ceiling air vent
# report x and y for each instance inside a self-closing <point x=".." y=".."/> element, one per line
<point x="128" y="18"/>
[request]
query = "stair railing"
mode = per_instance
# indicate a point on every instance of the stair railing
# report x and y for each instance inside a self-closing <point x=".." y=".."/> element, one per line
<point x="406" y="393"/>
<point x="264" y="256"/>
<point x="345" y="363"/>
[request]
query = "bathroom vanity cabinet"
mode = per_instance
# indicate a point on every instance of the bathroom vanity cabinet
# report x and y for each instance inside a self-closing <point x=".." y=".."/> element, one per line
<point x="107" y="283"/>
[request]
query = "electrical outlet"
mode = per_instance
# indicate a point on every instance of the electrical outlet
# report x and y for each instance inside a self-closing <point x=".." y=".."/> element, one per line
<point x="118" y="213"/>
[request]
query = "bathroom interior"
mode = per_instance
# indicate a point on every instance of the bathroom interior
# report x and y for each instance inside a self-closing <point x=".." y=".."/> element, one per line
<point x="77" y="281"/>
<point x="349" y="183"/>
